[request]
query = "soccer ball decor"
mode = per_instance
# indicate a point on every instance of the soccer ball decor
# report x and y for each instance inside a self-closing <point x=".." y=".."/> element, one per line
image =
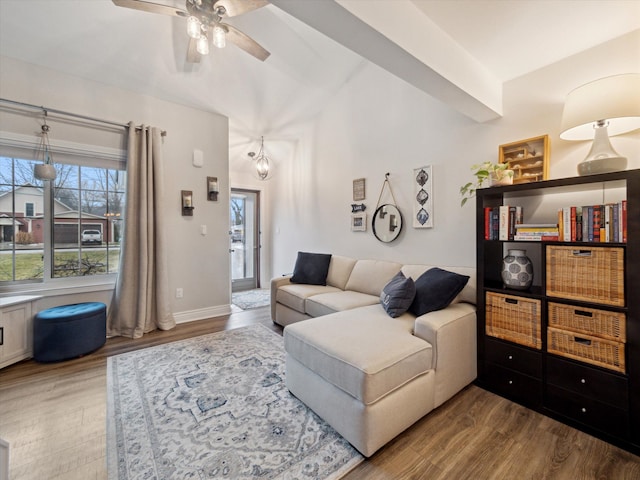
<point x="517" y="270"/>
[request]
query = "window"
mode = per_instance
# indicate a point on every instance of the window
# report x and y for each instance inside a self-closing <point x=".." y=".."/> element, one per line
<point x="70" y="227"/>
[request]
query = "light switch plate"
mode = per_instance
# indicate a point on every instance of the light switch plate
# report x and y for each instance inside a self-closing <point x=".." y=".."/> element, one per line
<point x="198" y="158"/>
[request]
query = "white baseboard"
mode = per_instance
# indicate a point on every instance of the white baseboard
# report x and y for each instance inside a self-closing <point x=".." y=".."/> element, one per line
<point x="202" y="313"/>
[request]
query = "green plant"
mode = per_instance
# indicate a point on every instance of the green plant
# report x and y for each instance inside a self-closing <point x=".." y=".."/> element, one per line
<point x="482" y="172"/>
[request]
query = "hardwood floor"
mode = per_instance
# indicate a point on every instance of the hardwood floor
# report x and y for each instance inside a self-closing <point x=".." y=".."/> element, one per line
<point x="54" y="417"/>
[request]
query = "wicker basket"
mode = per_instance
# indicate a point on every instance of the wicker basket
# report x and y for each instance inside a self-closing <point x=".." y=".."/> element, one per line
<point x="512" y="318"/>
<point x="586" y="348"/>
<point x="598" y="323"/>
<point x="591" y="274"/>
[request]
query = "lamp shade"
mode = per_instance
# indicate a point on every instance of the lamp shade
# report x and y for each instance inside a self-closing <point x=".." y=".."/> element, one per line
<point x="615" y="99"/>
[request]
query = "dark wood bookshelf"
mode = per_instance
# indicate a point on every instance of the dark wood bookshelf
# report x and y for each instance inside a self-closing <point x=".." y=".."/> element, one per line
<point x="596" y="399"/>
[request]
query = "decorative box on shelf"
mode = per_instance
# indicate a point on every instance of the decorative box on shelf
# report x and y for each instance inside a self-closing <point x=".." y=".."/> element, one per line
<point x="529" y="159"/>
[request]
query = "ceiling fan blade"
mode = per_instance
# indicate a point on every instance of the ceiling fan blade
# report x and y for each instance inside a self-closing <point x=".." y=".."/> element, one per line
<point x="238" y="7"/>
<point x="192" y="53"/>
<point x="151" y="7"/>
<point x="245" y="42"/>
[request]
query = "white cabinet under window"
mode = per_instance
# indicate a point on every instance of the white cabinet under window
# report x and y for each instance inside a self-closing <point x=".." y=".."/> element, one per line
<point x="16" y="328"/>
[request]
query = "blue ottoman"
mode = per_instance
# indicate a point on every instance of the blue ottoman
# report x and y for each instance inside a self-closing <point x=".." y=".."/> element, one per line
<point x="69" y="331"/>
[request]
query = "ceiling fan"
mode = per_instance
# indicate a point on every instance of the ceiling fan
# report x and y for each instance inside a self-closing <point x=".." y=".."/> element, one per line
<point x="205" y="23"/>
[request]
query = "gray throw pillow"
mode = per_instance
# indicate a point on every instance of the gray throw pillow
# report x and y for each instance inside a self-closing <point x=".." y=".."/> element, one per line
<point x="435" y="289"/>
<point x="311" y="268"/>
<point x="397" y="295"/>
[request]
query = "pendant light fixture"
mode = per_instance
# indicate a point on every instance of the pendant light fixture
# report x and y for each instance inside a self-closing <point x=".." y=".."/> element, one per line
<point x="46" y="170"/>
<point x="262" y="162"/>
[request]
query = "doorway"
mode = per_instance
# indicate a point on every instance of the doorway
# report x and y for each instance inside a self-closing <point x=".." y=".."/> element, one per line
<point x="245" y="239"/>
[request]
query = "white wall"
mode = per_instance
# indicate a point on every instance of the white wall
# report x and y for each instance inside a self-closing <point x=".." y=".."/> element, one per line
<point x="378" y="123"/>
<point x="199" y="264"/>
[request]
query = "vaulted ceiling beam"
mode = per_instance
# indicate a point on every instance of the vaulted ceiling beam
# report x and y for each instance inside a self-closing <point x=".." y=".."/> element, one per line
<point x="400" y="38"/>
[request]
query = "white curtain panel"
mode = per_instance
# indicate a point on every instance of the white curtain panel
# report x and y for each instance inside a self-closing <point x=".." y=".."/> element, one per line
<point x="140" y="301"/>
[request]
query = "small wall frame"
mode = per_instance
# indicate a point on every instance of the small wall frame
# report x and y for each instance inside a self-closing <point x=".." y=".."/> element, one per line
<point x="359" y="222"/>
<point x="186" y="198"/>
<point x="359" y="193"/>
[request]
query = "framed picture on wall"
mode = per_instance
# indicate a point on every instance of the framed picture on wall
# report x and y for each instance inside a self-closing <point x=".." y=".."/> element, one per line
<point x="359" y="189"/>
<point x="423" y="199"/>
<point x="359" y="222"/>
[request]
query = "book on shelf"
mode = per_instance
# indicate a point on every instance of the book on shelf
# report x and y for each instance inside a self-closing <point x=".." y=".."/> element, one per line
<point x="597" y="212"/>
<point x="623" y="210"/>
<point x="566" y="224"/>
<point x="604" y="223"/>
<point x="537" y="225"/>
<point x="535" y="237"/>
<point x="538" y="232"/>
<point x="487" y="223"/>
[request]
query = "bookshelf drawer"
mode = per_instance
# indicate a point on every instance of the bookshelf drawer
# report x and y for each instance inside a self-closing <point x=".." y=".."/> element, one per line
<point x="514" y="385"/>
<point x="515" y="358"/>
<point x="599" y="323"/>
<point x="590" y="274"/>
<point x="513" y="318"/>
<point x="590" y="412"/>
<point x="589" y="382"/>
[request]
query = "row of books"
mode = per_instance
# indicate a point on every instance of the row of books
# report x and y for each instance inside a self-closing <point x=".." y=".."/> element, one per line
<point x="590" y="223"/>
<point x="594" y="223"/>
<point x="500" y="222"/>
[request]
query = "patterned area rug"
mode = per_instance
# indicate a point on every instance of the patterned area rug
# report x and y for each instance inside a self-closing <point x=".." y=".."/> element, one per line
<point x="215" y="406"/>
<point x="252" y="298"/>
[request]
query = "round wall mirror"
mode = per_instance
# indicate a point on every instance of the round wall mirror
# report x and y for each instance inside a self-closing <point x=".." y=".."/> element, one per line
<point x="387" y="223"/>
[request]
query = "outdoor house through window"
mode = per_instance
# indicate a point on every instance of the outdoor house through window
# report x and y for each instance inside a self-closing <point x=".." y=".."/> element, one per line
<point x="69" y="227"/>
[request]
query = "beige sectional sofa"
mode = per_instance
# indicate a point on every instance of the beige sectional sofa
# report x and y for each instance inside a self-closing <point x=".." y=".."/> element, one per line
<point x="371" y="376"/>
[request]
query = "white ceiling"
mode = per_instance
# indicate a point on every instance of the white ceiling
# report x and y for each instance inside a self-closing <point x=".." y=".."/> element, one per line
<point x="144" y="52"/>
<point x="515" y="37"/>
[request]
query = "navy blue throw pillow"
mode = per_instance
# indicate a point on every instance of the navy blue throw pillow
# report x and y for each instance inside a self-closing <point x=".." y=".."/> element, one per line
<point x="311" y="268"/>
<point x="397" y="295"/>
<point x="435" y="289"/>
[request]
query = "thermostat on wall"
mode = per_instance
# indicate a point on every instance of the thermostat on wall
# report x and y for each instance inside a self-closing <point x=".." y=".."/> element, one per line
<point x="197" y="158"/>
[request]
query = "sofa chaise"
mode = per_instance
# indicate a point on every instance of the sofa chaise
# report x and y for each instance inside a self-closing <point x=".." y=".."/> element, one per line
<point x="368" y="371"/>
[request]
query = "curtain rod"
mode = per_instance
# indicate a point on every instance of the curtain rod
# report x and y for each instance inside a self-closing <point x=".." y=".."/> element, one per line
<point x="75" y="115"/>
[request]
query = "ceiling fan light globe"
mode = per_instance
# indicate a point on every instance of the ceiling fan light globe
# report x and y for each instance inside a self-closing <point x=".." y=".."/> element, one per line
<point x="219" y="37"/>
<point x="202" y="46"/>
<point x="193" y="27"/>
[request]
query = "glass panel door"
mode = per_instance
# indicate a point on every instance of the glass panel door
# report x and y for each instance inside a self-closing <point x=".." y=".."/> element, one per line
<point x="245" y="239"/>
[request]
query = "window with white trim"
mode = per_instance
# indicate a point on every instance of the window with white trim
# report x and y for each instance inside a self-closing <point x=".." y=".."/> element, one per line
<point x="69" y="227"/>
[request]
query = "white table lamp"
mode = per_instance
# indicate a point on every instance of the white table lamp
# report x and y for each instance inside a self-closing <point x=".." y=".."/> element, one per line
<point x="602" y="108"/>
